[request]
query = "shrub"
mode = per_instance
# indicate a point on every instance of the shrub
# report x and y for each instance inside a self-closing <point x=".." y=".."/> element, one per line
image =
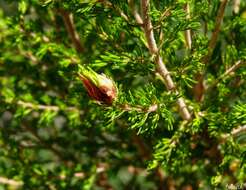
<point x="161" y="104"/>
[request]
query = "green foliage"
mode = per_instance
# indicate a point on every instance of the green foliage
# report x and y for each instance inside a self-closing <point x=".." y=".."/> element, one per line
<point x="54" y="136"/>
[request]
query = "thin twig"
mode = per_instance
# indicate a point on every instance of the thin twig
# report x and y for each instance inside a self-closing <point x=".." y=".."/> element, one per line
<point x="161" y="68"/>
<point x="40" y="140"/>
<point x="144" y="150"/>
<point x="60" y="154"/>
<point x="28" y="54"/>
<point x="135" y="13"/>
<point x="113" y="6"/>
<point x="119" y="11"/>
<point x="39" y="107"/>
<point x="45" y="107"/>
<point x="199" y="88"/>
<point x="70" y="27"/>
<point x="165" y="14"/>
<point x="215" y="34"/>
<point x="188" y="32"/>
<point x="238" y="131"/>
<point x="127" y="107"/>
<point x="235" y="132"/>
<point x="80" y="175"/>
<point x="226" y="73"/>
<point x="236" y="6"/>
<point x="10" y="182"/>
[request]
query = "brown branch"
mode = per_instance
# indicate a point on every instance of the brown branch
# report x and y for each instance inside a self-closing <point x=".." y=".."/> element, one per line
<point x="40" y="140"/>
<point x="79" y="175"/>
<point x="165" y="14"/>
<point x="199" y="88"/>
<point x="135" y="13"/>
<point x="28" y="54"/>
<point x="60" y="154"/>
<point x="39" y="107"/>
<point x="238" y="130"/>
<point x="188" y="38"/>
<point x="161" y="68"/>
<point x="215" y="34"/>
<point x="144" y="151"/>
<point x="236" y="6"/>
<point x="114" y="7"/>
<point x="45" y="107"/>
<point x="10" y="182"/>
<point x="70" y="27"/>
<point x="235" y="132"/>
<point x="127" y="107"/>
<point x="226" y="73"/>
<point x="231" y="69"/>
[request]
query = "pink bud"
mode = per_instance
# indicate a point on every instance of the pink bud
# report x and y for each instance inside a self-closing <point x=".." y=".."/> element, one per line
<point x="99" y="87"/>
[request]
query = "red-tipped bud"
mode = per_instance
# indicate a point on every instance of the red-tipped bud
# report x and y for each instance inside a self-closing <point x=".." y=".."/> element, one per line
<point x="99" y="87"/>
